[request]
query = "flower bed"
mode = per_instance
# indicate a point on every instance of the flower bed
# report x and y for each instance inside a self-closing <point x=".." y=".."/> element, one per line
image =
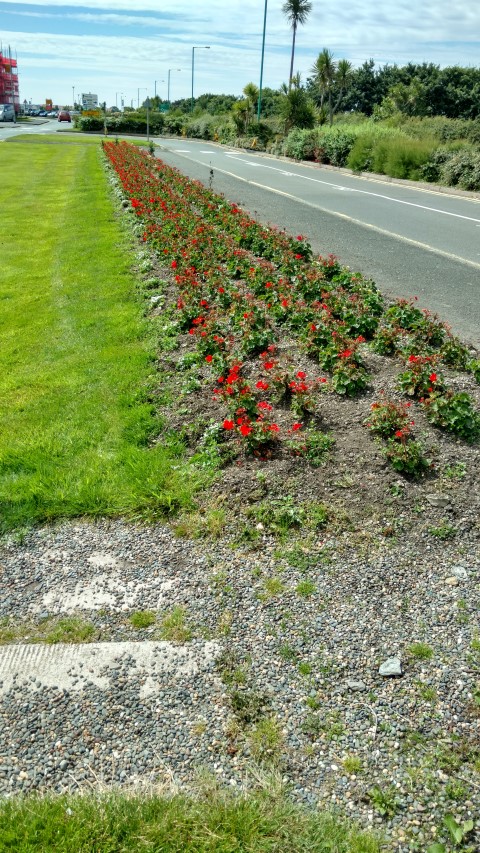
<point x="244" y="287"/>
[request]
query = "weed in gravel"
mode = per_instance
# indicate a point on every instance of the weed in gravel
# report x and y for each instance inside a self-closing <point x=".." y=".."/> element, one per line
<point x="266" y="741"/>
<point x="8" y="632"/>
<point x="305" y="588"/>
<point x="443" y="531"/>
<point x="142" y="618"/>
<point x="287" y="652"/>
<point x="70" y="629"/>
<point x="420" y="651"/>
<point x="455" y="472"/>
<point x="352" y="764"/>
<point x="384" y="801"/>
<point x="272" y="586"/>
<point x="428" y="693"/>
<point x="174" y="626"/>
<point x="249" y="706"/>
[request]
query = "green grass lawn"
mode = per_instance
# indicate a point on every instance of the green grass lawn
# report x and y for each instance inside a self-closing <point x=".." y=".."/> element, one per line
<point x="75" y="348"/>
<point x="217" y="823"/>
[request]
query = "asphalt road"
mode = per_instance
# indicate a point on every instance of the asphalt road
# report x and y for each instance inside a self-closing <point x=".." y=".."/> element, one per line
<point x="411" y="241"/>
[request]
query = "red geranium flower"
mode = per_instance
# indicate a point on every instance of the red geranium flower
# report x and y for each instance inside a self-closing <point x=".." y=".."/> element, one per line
<point x="208" y="358"/>
<point x="228" y="424"/>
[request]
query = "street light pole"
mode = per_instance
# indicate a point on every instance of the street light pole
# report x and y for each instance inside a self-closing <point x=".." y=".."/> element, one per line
<point x="73" y="97"/>
<point x="197" y="47"/>
<point x="259" y="105"/>
<point x="144" y="89"/>
<point x="158" y="81"/>
<point x="168" y="84"/>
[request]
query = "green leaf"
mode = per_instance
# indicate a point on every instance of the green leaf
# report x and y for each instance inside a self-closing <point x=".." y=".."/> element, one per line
<point x="437" y="848"/>
<point x="454" y="828"/>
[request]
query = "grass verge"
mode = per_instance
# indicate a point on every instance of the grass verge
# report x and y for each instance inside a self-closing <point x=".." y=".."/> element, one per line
<point x="217" y="823"/>
<point x="76" y="352"/>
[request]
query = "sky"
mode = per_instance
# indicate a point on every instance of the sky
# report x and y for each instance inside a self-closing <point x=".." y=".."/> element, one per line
<point x="128" y="49"/>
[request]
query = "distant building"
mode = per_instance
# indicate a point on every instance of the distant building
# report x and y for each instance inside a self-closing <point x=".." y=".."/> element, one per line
<point x="89" y="102"/>
<point x="9" y="79"/>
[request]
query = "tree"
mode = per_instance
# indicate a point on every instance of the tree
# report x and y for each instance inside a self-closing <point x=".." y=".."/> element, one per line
<point x="243" y="111"/>
<point x="296" y="108"/>
<point x="296" y="12"/>
<point x="324" y="72"/>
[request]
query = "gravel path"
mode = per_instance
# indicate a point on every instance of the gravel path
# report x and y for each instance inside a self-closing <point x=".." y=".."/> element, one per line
<point x="285" y="649"/>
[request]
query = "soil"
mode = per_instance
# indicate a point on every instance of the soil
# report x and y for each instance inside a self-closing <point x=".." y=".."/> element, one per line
<point x="366" y="500"/>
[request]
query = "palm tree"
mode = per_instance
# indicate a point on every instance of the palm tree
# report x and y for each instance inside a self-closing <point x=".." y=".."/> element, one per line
<point x="343" y="79"/>
<point x="324" y="71"/>
<point x="297" y="12"/>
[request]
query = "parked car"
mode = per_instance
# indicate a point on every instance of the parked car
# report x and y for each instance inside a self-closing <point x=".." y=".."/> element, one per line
<point x="7" y="112"/>
<point x="64" y="115"/>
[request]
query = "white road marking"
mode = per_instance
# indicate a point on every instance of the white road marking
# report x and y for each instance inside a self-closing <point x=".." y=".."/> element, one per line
<point x="408" y="240"/>
<point x="363" y="192"/>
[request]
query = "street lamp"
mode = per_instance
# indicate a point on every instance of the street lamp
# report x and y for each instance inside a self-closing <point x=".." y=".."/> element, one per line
<point x="197" y="47"/>
<point x="168" y="85"/>
<point x="144" y="89"/>
<point x="73" y="97"/>
<point x="259" y="105"/>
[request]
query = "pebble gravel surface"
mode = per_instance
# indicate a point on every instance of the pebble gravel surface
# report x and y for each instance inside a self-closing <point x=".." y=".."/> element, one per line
<point x="355" y="677"/>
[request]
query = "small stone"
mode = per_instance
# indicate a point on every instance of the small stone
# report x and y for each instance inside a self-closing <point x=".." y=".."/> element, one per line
<point x="440" y="501"/>
<point x="391" y="667"/>
<point x="356" y="685"/>
<point x="460" y="572"/>
<point x="452" y="581"/>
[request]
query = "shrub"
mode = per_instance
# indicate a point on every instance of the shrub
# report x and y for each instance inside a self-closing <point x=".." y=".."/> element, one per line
<point x="336" y="145"/>
<point x="405" y="158"/>
<point x="463" y="169"/>
<point x="301" y="144"/>
<point x="360" y="158"/>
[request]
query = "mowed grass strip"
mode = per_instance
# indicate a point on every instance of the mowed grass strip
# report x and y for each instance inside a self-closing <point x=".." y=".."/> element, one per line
<point x="217" y="823"/>
<point x="76" y="351"/>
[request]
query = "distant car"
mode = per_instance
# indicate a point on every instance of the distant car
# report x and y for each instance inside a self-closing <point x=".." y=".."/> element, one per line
<point x="64" y="115"/>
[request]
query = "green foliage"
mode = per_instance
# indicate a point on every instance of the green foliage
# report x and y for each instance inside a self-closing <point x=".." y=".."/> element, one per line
<point x="458" y="831"/>
<point x="174" y="626"/>
<point x="407" y="457"/>
<point x="455" y="413"/>
<point x="384" y="801"/>
<point x="349" y="378"/>
<point x="420" y="651"/>
<point x="463" y="169"/>
<point x="142" y="618"/>
<point x="280" y="514"/>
